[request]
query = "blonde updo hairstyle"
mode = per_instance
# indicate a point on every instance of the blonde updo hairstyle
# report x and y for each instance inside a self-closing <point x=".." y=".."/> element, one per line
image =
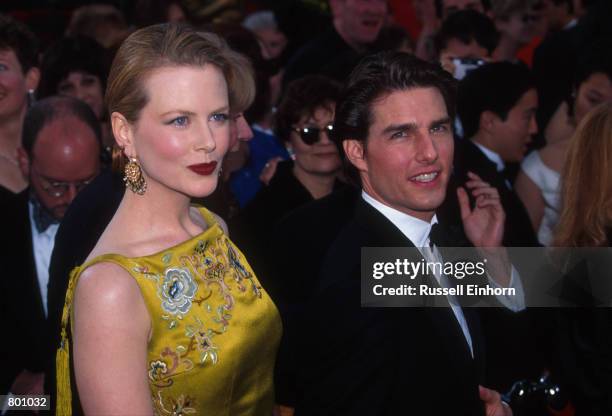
<point x="171" y="44"/>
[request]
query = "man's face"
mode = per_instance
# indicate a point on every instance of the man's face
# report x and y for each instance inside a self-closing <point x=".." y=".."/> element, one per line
<point x="408" y="153"/>
<point x="511" y="136"/>
<point x="64" y="159"/>
<point x="361" y="20"/>
<point x="452" y="6"/>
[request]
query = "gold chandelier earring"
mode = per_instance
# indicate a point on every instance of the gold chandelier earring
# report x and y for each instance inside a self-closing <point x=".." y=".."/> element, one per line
<point x="133" y="177"/>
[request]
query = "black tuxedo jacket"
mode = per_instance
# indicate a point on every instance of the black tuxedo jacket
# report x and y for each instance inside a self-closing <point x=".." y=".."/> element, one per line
<point x="516" y="342"/>
<point x="23" y="317"/>
<point x="518" y="231"/>
<point x="381" y="361"/>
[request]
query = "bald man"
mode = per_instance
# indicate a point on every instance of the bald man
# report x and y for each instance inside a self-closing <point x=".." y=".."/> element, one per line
<point x="60" y="155"/>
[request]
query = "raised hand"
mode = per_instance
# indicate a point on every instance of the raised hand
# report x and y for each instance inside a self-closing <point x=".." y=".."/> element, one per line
<point x="483" y="225"/>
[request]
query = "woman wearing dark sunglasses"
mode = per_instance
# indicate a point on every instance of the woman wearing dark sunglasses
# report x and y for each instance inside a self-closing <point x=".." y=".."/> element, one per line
<point x="304" y="121"/>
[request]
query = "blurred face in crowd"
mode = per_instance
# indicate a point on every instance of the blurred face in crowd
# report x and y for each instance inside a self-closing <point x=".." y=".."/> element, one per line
<point x="452" y="6"/>
<point x="85" y="87"/>
<point x="65" y="158"/>
<point x="182" y="134"/>
<point x="595" y="90"/>
<point x="319" y="157"/>
<point x="14" y="85"/>
<point x="520" y="27"/>
<point x="359" y="21"/>
<point x="238" y="154"/>
<point x="272" y="42"/>
<point x="407" y="158"/>
<point x="512" y="135"/>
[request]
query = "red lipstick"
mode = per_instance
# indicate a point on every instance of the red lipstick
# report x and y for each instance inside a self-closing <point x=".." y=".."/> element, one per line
<point x="204" y="169"/>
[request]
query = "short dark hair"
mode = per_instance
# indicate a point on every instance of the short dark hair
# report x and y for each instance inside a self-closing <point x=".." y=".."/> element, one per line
<point x="468" y="25"/>
<point x="72" y="54"/>
<point x="49" y="109"/>
<point x="17" y="37"/>
<point x="439" y="4"/>
<point x="303" y="97"/>
<point x="495" y="87"/>
<point x="376" y="76"/>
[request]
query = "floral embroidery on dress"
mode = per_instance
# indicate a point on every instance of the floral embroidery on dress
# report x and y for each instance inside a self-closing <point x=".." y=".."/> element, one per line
<point x="184" y="405"/>
<point x="206" y="280"/>
<point x="177" y="290"/>
<point x="241" y="271"/>
<point x="168" y="365"/>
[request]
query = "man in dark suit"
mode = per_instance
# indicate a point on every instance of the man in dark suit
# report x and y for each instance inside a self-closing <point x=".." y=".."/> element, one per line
<point x="393" y="123"/>
<point x="60" y="154"/>
<point x="497" y="105"/>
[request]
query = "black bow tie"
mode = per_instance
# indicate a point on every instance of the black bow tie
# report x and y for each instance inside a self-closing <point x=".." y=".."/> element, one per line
<point x="42" y="217"/>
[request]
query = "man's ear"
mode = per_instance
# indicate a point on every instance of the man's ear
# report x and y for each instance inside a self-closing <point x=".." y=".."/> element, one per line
<point x="488" y="121"/>
<point x="23" y="160"/>
<point x="32" y="78"/>
<point x="355" y="153"/>
<point x="124" y="134"/>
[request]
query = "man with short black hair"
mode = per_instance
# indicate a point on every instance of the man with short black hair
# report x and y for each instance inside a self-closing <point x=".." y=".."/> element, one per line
<point x="466" y="34"/>
<point x="497" y="104"/>
<point x="60" y="155"/>
<point x="394" y="125"/>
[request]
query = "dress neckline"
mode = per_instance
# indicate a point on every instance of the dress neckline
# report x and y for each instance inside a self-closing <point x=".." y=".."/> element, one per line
<point x="211" y="223"/>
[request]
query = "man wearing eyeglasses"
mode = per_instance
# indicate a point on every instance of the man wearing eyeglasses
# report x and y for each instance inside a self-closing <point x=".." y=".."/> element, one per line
<point x="60" y="155"/>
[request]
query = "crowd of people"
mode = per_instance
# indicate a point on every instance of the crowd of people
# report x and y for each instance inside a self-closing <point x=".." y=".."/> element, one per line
<point x="189" y="187"/>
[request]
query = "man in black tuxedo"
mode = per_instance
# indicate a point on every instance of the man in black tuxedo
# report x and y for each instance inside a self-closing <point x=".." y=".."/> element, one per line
<point x="393" y="123"/>
<point x="497" y="105"/>
<point x="60" y="154"/>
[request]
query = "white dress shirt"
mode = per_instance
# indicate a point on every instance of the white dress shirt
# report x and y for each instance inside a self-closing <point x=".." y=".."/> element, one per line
<point x="42" y="244"/>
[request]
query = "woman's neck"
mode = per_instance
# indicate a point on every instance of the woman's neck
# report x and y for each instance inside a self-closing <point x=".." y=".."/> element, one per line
<point x="10" y="135"/>
<point x="318" y="185"/>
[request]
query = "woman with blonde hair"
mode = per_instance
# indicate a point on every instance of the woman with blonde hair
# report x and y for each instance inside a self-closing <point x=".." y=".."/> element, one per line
<point x="584" y="338"/>
<point x="586" y="185"/>
<point x="166" y="314"/>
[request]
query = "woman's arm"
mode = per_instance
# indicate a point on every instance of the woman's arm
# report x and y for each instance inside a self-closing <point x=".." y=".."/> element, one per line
<point x="111" y="331"/>
<point x="532" y="198"/>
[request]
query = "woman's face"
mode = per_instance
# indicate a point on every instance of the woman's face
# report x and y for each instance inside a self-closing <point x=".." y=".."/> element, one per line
<point x="183" y="131"/>
<point x="14" y="85"/>
<point x="321" y="157"/>
<point x="86" y="87"/>
<point x="596" y="89"/>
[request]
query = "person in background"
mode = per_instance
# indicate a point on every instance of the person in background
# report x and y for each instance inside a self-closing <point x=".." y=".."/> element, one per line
<point x="584" y="338"/>
<point x="355" y="27"/>
<point x="394" y="38"/>
<point x="19" y="76"/>
<point x="102" y="22"/>
<point x="515" y="25"/>
<point x="537" y="183"/>
<point x="466" y="34"/>
<point x="60" y="155"/>
<point x="263" y="24"/>
<point x="559" y="14"/>
<point x="78" y="67"/>
<point x="304" y="121"/>
<point x="150" y="12"/>
<point x="433" y="14"/>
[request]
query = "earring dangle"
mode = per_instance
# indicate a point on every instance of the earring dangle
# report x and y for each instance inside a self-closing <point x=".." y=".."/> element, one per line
<point x="133" y="177"/>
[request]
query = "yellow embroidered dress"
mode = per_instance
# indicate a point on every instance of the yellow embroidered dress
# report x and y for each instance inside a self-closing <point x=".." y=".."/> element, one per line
<point x="215" y="330"/>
